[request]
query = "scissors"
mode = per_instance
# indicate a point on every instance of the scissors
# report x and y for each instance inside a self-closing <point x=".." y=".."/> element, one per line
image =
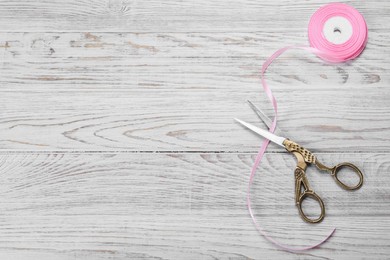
<point x="304" y="158"/>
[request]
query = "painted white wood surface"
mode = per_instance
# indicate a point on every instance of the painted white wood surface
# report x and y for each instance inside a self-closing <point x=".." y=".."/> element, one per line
<point x="181" y="205"/>
<point x="117" y="139"/>
<point x="109" y="91"/>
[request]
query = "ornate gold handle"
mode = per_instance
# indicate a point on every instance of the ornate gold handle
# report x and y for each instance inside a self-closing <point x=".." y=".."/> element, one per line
<point x="305" y="157"/>
<point x="336" y="169"/>
<point x="301" y="181"/>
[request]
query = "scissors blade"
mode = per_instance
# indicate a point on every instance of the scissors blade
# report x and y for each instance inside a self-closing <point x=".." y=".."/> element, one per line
<point x="264" y="118"/>
<point x="266" y="134"/>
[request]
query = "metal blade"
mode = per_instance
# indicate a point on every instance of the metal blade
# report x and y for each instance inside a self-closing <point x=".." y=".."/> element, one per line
<point x="264" y="118"/>
<point x="261" y="114"/>
<point x="266" y="134"/>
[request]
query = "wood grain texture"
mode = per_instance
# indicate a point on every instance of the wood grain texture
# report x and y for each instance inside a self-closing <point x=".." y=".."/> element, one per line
<point x="171" y="16"/>
<point x="110" y="91"/>
<point x="117" y="139"/>
<point x="121" y="205"/>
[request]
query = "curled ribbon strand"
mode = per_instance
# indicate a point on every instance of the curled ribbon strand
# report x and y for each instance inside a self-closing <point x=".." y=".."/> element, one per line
<point x="328" y="51"/>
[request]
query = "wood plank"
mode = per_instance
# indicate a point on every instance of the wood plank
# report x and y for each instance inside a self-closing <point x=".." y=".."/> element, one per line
<point x="225" y="61"/>
<point x="172" y="16"/>
<point x="90" y="120"/>
<point x="59" y="93"/>
<point x="132" y="205"/>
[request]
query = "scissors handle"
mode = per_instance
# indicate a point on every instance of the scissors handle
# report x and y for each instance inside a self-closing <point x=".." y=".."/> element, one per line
<point x="301" y="181"/>
<point x="336" y="169"/>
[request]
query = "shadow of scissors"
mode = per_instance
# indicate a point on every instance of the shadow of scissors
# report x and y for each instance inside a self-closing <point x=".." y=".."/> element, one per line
<point x="304" y="158"/>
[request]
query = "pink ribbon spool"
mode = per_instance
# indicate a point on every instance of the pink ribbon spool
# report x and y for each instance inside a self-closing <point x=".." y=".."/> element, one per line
<point x="337" y="33"/>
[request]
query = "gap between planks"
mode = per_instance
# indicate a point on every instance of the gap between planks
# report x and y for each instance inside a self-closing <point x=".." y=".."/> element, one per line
<point x="170" y="152"/>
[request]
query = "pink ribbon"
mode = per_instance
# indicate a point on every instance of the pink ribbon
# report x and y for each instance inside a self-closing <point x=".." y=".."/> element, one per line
<point x="328" y="51"/>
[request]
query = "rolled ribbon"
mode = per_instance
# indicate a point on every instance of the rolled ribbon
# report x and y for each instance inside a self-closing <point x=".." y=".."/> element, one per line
<point x="337" y="33"/>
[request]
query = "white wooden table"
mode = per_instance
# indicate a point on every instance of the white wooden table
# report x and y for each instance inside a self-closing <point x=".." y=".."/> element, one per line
<point x="117" y="139"/>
